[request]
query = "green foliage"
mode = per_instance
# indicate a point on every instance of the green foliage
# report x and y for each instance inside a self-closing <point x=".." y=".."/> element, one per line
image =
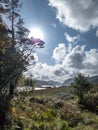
<point x="15" y="52"/>
<point x="59" y="104"/>
<point x="81" y="86"/>
<point x="40" y="113"/>
<point x="29" y="82"/>
<point x="23" y="81"/>
<point x="30" y="113"/>
<point x="91" y="99"/>
<point x="87" y="93"/>
<point x="12" y="60"/>
<point x="5" y="41"/>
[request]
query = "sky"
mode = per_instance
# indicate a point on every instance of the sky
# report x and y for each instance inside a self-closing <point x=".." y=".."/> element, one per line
<point x="70" y="29"/>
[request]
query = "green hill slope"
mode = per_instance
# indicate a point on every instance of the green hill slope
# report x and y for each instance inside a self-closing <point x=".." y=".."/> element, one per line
<point x="50" y="109"/>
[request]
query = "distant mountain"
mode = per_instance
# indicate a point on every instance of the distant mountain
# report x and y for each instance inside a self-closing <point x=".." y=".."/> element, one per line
<point x="93" y="79"/>
<point x="52" y="83"/>
<point x="68" y="82"/>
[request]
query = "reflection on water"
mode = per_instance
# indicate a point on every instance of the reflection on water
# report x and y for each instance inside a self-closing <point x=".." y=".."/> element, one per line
<point x="39" y="88"/>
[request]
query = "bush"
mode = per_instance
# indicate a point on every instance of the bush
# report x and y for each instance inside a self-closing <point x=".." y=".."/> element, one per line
<point x="87" y="94"/>
<point x="59" y="104"/>
<point x="91" y="102"/>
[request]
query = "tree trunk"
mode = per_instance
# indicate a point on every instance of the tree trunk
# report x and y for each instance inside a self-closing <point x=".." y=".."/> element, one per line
<point x="12" y="86"/>
<point x="2" y="120"/>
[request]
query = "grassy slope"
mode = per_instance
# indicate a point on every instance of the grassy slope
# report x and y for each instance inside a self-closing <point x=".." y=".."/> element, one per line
<point x="50" y="109"/>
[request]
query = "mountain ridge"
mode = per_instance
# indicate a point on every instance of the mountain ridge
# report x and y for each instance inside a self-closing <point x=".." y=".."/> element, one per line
<point x="41" y="82"/>
<point x="92" y="79"/>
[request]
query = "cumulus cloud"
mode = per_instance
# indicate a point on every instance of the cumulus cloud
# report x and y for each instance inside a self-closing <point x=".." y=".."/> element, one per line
<point x="91" y="58"/>
<point x="80" y="14"/>
<point x="60" y="71"/>
<point x="78" y="59"/>
<point x="59" y="52"/>
<point x="71" y="39"/>
<point x="75" y="58"/>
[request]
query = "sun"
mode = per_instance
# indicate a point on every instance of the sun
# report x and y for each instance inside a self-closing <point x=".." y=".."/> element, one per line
<point x="36" y="33"/>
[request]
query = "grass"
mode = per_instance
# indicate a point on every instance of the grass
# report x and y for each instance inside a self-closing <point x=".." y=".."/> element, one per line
<point x="50" y="109"/>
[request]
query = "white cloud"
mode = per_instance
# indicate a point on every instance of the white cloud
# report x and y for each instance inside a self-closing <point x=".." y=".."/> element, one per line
<point x="71" y="39"/>
<point x="80" y="14"/>
<point x="91" y="58"/>
<point x="75" y="58"/>
<point x="67" y="65"/>
<point x="59" y="52"/>
<point x="53" y="25"/>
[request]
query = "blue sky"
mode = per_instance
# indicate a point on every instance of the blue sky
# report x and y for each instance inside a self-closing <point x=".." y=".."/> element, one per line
<point x="71" y="37"/>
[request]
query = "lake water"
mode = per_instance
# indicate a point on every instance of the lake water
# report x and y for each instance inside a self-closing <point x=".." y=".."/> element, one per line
<point x="39" y="88"/>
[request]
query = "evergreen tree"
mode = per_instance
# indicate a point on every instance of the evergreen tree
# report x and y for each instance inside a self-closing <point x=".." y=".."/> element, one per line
<point x="81" y="87"/>
<point x="15" y="50"/>
<point x="18" y="48"/>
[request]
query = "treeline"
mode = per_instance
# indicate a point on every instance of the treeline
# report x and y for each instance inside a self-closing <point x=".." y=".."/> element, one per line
<point x="23" y="81"/>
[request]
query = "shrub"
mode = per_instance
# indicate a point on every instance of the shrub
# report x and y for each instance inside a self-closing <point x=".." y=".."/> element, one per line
<point x="91" y="102"/>
<point x="59" y="104"/>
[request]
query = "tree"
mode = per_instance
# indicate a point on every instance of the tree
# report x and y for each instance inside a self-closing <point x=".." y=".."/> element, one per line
<point x="15" y="51"/>
<point x="81" y="87"/>
<point x="10" y="69"/>
<point x="8" y="61"/>
<point x="18" y="54"/>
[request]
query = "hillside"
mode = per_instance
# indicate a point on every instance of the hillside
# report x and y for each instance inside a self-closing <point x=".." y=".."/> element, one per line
<point x="93" y="79"/>
<point x="40" y="83"/>
<point x="50" y="109"/>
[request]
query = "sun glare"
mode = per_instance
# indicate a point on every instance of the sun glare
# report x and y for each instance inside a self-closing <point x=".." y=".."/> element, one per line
<point x="36" y="33"/>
